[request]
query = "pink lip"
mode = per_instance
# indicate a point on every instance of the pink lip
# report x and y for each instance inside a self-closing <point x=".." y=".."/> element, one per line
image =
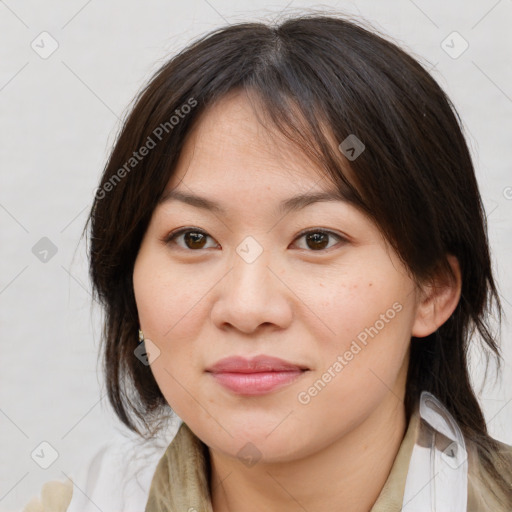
<point x="255" y="376"/>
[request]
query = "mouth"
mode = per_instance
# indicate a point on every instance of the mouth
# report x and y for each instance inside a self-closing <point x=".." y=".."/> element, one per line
<point x="256" y="376"/>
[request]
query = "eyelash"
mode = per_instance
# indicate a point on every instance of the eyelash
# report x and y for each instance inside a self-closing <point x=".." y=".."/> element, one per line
<point x="171" y="237"/>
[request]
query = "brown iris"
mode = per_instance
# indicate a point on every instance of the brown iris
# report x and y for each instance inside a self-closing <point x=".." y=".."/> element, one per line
<point x="194" y="239"/>
<point x="317" y="240"/>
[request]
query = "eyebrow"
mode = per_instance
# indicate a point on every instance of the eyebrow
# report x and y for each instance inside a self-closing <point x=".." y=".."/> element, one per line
<point x="288" y="205"/>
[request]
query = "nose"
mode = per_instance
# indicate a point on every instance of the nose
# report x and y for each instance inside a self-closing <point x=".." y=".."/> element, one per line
<point x="252" y="296"/>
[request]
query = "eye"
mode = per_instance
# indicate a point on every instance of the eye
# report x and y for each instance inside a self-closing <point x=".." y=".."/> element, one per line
<point x="318" y="240"/>
<point x="193" y="239"/>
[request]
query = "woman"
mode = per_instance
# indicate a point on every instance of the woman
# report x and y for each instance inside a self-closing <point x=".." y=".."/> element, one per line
<point x="290" y="246"/>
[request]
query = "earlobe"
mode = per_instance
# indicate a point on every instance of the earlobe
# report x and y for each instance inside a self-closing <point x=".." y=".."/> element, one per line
<point x="437" y="301"/>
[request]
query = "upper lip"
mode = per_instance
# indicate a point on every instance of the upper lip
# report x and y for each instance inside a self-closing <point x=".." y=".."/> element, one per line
<point x="258" y="364"/>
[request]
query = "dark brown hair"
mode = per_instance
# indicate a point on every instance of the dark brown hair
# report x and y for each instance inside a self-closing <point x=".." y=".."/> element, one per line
<point x="415" y="179"/>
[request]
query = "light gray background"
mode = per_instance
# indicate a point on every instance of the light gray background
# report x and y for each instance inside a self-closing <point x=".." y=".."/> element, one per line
<point x="59" y="119"/>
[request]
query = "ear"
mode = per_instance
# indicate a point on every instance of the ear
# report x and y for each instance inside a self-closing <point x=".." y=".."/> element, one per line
<point x="437" y="301"/>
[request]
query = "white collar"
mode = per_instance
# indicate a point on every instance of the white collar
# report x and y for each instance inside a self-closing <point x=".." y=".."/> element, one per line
<point x="437" y="480"/>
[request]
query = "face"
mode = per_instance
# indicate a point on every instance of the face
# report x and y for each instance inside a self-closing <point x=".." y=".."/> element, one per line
<point x="316" y="286"/>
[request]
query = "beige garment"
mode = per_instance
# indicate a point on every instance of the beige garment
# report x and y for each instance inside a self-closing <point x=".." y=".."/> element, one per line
<point x="55" y="497"/>
<point x="181" y="481"/>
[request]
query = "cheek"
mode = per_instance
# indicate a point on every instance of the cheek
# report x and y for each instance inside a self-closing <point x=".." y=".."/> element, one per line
<point x="359" y="304"/>
<point x="171" y="315"/>
<point x="168" y="299"/>
<point x="369" y="320"/>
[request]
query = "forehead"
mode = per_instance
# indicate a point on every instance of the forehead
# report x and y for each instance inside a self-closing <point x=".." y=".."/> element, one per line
<point x="232" y="142"/>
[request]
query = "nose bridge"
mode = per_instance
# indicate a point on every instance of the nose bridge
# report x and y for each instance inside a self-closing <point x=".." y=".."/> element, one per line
<point x="252" y="295"/>
<point x="250" y="250"/>
<point x="251" y="268"/>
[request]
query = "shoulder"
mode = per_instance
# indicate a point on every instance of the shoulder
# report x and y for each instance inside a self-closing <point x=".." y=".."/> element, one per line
<point x="55" y="496"/>
<point x="490" y="477"/>
<point x="116" y="476"/>
<point x="501" y="458"/>
<point x="504" y="449"/>
<point x="503" y="461"/>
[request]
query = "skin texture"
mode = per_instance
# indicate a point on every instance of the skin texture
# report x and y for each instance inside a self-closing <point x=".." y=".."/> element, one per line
<point x="295" y="301"/>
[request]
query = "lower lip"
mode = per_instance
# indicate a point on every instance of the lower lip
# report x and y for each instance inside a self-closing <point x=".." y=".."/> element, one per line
<point x="256" y="383"/>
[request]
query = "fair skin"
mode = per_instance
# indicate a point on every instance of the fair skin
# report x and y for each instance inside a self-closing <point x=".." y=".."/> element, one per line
<point x="199" y="301"/>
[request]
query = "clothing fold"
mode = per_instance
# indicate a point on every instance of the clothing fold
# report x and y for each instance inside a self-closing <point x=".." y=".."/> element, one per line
<point x="181" y="480"/>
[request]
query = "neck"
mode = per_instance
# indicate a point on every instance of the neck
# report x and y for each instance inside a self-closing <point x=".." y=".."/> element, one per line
<point x="344" y="475"/>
